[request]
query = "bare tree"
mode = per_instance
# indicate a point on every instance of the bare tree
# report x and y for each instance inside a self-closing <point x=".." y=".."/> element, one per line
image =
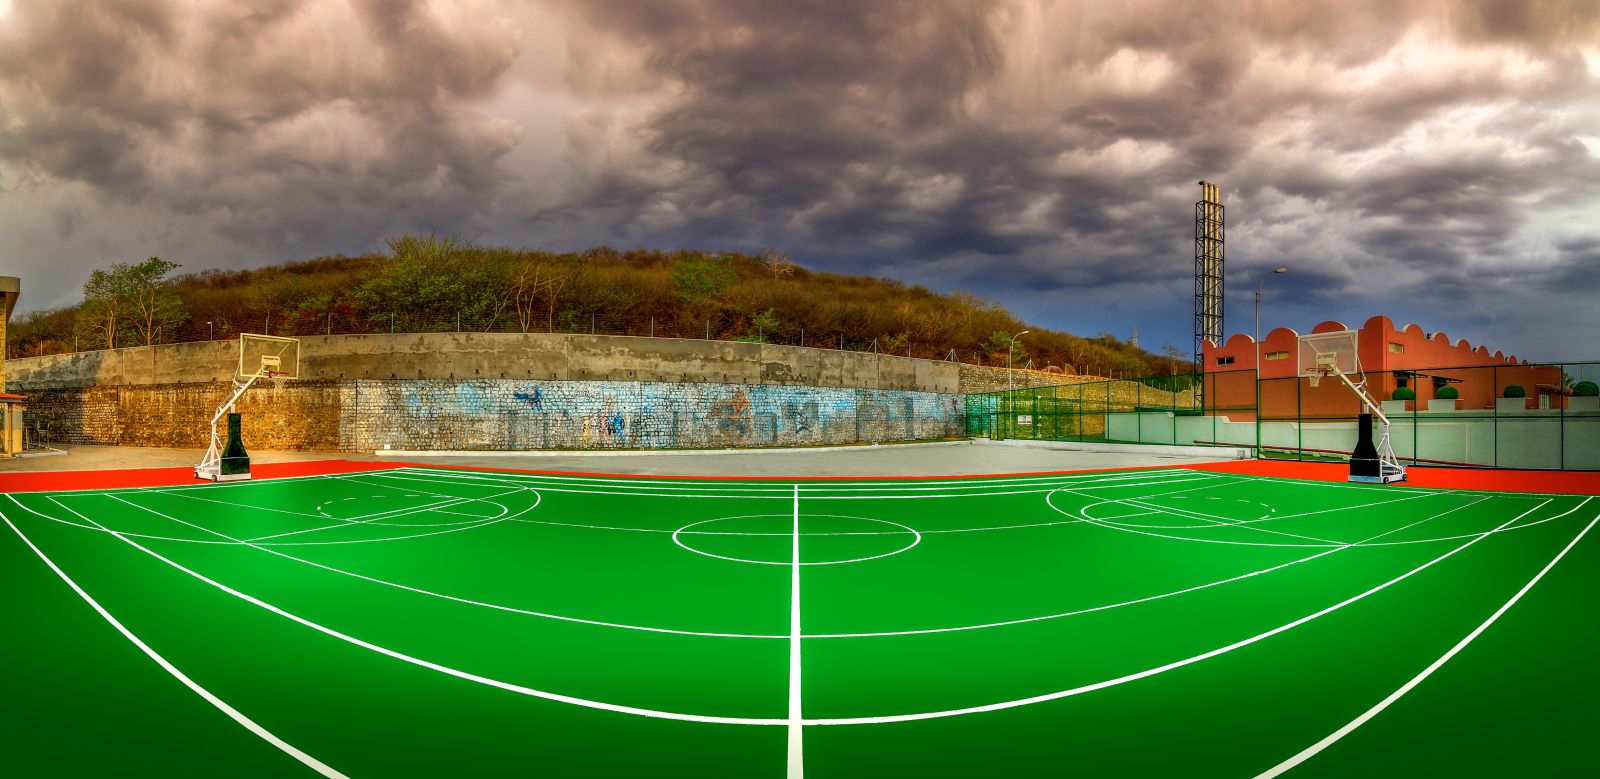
<point x="776" y="263"/>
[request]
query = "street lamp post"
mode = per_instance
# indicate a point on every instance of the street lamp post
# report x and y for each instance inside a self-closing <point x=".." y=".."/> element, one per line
<point x="1259" y="289"/>
<point x="213" y="329"/>
<point x="1011" y="347"/>
<point x="1011" y="403"/>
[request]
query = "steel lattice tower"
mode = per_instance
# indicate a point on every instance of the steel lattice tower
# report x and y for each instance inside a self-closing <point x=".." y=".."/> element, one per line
<point x="1208" y="239"/>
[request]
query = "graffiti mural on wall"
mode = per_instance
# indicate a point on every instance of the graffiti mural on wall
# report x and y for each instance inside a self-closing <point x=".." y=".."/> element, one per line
<point x="535" y="399"/>
<point x="732" y="415"/>
<point x="493" y="414"/>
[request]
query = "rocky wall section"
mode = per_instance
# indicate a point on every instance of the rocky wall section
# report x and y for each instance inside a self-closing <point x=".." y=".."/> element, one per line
<point x="984" y="378"/>
<point x="302" y="415"/>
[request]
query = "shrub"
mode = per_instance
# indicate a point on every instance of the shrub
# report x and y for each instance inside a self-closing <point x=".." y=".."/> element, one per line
<point x="1404" y="393"/>
<point x="1516" y="391"/>
<point x="1586" y="389"/>
<point x="1447" y="393"/>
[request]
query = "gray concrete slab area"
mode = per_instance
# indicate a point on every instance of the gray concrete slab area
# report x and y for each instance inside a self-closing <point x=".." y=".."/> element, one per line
<point x="952" y="459"/>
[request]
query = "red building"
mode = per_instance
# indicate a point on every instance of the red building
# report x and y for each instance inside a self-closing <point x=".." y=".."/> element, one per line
<point x="1390" y="357"/>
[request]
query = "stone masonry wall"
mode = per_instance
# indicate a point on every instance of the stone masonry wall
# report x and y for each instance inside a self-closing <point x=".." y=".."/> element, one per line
<point x="985" y="378"/>
<point x="499" y="414"/>
<point x="291" y="415"/>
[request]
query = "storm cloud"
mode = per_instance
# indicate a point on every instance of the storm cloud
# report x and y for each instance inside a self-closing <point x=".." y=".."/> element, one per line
<point x="1438" y="162"/>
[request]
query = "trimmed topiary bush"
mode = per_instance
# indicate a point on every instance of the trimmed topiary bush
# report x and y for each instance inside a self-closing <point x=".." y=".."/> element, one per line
<point x="1447" y="393"/>
<point x="1586" y="389"/>
<point x="1404" y="393"/>
<point x="1516" y="391"/>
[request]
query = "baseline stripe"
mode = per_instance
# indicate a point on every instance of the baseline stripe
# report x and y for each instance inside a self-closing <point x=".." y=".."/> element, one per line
<point x="221" y="705"/>
<point x="1328" y="741"/>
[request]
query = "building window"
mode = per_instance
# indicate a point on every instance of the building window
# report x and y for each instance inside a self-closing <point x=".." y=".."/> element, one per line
<point x="1277" y="355"/>
<point x="1224" y="360"/>
<point x="1396" y="348"/>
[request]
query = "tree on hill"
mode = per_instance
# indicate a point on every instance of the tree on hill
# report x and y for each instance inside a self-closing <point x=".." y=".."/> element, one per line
<point x="433" y="281"/>
<point x="700" y="282"/>
<point x="130" y="304"/>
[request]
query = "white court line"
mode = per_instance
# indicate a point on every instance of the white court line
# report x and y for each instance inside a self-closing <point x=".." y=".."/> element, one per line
<point x="1277" y="517"/>
<point x="797" y="763"/>
<point x="1362" y="544"/>
<point x="1146" y="599"/>
<point x="759" y="490"/>
<point x="221" y="705"/>
<point x="776" y="484"/>
<point x="319" y="516"/>
<point x="1169" y="666"/>
<point x="382" y="515"/>
<point x="908" y="491"/>
<point x="53" y="497"/>
<point x="471" y="677"/>
<point x="465" y="601"/>
<point x="710" y="634"/>
<point x="825" y="721"/>
<point x="1328" y="741"/>
<point x="714" y="634"/>
<point x="952" y="629"/>
<point x="1213" y="520"/>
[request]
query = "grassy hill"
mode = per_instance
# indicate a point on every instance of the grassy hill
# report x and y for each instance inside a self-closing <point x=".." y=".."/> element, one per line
<point x="431" y="283"/>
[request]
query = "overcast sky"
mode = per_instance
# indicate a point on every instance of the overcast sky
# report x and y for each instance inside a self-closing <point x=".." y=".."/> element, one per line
<point x="1438" y="162"/>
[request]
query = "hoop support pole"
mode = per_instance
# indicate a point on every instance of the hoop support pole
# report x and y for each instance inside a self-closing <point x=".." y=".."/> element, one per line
<point x="211" y="464"/>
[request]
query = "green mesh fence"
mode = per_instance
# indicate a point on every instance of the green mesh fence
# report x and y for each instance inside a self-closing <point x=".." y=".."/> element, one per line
<point x="1551" y="421"/>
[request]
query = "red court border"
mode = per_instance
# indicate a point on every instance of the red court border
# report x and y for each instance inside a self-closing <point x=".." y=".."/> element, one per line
<point x="1483" y="480"/>
<point x="43" y="481"/>
<point x="1567" y="482"/>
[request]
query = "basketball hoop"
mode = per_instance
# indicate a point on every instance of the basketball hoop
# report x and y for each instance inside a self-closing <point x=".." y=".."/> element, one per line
<point x="260" y="357"/>
<point x="1335" y="354"/>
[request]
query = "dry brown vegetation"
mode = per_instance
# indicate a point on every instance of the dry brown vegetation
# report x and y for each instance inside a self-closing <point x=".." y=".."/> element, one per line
<point x="429" y="283"/>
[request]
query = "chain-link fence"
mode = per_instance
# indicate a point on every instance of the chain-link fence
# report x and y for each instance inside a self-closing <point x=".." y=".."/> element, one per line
<point x="1537" y="416"/>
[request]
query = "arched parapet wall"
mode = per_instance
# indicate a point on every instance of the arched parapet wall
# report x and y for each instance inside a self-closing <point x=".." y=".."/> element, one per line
<point x="1383" y="346"/>
<point x="1240" y="340"/>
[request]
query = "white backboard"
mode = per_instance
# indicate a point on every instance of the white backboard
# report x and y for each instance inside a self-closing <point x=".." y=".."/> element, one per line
<point x="1320" y="352"/>
<point x="275" y="353"/>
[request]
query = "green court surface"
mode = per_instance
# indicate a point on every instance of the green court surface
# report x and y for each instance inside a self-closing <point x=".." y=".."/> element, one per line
<point x="448" y="622"/>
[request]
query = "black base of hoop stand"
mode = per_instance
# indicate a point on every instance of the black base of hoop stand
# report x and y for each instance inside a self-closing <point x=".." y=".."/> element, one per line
<point x="1364" y="463"/>
<point x="235" y="465"/>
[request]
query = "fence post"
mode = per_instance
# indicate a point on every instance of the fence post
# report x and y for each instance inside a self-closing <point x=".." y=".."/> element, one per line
<point x="391" y="323"/>
<point x="591" y="322"/>
<point x="1255" y="374"/>
<point x="1138" y="416"/>
<point x="458" y="321"/>
<point x="708" y="329"/>
<point x="330" y="323"/>
<point x="652" y="326"/>
<point x="802" y="336"/>
<point x="1300" y="424"/>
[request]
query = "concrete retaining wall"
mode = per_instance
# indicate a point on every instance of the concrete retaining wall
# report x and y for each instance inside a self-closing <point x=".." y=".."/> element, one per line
<point x="524" y="356"/>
